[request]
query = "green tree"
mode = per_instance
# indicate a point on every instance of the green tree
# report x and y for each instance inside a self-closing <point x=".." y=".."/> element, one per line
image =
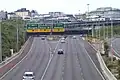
<point x="106" y="48"/>
<point x="8" y="32"/>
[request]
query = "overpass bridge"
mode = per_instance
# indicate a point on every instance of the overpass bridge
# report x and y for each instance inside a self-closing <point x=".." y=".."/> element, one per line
<point x="81" y="27"/>
<point x="91" y="23"/>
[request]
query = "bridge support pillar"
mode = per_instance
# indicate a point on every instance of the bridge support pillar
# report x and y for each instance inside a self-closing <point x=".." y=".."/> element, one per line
<point x="26" y="36"/>
<point x="92" y="31"/>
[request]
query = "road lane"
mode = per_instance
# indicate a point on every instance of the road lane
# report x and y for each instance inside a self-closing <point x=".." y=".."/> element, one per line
<point x="88" y="69"/>
<point x="116" y="45"/>
<point x="39" y="55"/>
<point x="74" y="64"/>
<point x="54" y="71"/>
<point x="72" y="69"/>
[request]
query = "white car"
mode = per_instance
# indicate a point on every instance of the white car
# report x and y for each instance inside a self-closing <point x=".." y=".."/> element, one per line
<point x="28" y="76"/>
<point x="60" y="51"/>
<point x="63" y="38"/>
<point x="74" y="37"/>
<point x="62" y="41"/>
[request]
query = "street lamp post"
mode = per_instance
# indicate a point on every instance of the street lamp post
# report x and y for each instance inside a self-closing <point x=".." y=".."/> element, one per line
<point x="0" y="43"/>
<point x="88" y="17"/>
<point x="17" y="36"/>
<point x="88" y="11"/>
<point x="104" y="31"/>
<point x="51" y="28"/>
<point x="111" y="40"/>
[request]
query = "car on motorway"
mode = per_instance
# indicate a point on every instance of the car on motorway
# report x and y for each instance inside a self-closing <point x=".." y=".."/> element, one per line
<point x="28" y="76"/>
<point x="74" y="37"/>
<point x="62" y="38"/>
<point x="65" y="36"/>
<point x="62" y="41"/>
<point x="43" y="38"/>
<point x="60" y="51"/>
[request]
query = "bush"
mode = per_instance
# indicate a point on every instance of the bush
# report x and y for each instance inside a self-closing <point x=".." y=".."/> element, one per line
<point x="8" y="32"/>
<point x="106" y="48"/>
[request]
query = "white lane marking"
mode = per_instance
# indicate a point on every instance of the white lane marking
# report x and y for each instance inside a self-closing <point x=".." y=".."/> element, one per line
<point x="48" y="64"/>
<point x="63" y="68"/>
<point x="47" y="67"/>
<point x="18" y="62"/>
<point x="82" y="78"/>
<point x="94" y="64"/>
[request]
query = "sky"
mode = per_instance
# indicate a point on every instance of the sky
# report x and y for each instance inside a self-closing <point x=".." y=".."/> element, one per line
<point x="66" y="6"/>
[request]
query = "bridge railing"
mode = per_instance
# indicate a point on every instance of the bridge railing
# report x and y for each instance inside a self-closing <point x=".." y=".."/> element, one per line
<point x="11" y="62"/>
<point x="108" y="75"/>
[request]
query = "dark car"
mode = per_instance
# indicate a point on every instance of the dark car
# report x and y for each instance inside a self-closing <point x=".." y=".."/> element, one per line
<point x="60" y="51"/>
<point x="43" y="38"/>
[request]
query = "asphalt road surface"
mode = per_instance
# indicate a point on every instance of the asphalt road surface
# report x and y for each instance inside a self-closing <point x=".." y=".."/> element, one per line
<point x="116" y="45"/>
<point x="74" y="64"/>
<point x="36" y="61"/>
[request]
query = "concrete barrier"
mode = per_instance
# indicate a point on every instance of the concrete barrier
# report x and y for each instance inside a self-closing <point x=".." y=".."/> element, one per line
<point x="116" y="54"/>
<point x="108" y="75"/>
<point x="7" y="65"/>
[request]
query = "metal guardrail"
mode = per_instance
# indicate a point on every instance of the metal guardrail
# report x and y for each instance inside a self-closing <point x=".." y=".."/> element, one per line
<point x="108" y="75"/>
<point x="11" y="63"/>
<point x="116" y="54"/>
<point x="14" y="55"/>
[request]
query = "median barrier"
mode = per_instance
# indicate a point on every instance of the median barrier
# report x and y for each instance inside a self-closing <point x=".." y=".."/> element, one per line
<point x="16" y="58"/>
<point x="116" y="55"/>
<point x="107" y="74"/>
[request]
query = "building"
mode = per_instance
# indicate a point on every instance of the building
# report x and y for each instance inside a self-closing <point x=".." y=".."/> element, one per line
<point x="3" y="15"/>
<point x="22" y="12"/>
<point x="57" y="14"/>
<point x="26" y="18"/>
<point x="13" y="16"/>
<point x="34" y="13"/>
<point x="71" y="17"/>
<point x="80" y="17"/>
<point x="106" y="12"/>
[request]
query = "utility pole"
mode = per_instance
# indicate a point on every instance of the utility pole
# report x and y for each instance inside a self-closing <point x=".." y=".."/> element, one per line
<point x="111" y="39"/>
<point x="51" y="28"/>
<point x="17" y="36"/>
<point x="107" y="30"/>
<point x="0" y="42"/>
<point x="104" y="31"/>
<point x="92" y="30"/>
<point x="88" y="11"/>
<point x="88" y="17"/>
<point x="99" y="36"/>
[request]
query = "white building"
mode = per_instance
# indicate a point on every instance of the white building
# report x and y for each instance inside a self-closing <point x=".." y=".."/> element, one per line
<point x="13" y="16"/>
<point x="22" y="12"/>
<point x="3" y="15"/>
<point x="28" y="18"/>
<point x="57" y="14"/>
<point x="106" y="12"/>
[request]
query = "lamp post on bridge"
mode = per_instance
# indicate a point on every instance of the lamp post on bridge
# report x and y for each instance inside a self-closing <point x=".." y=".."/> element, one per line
<point x="0" y="43"/>
<point x="88" y="17"/>
<point x="111" y="51"/>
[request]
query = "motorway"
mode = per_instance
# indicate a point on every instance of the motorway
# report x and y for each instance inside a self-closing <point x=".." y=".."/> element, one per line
<point x="116" y="45"/>
<point x="74" y="64"/>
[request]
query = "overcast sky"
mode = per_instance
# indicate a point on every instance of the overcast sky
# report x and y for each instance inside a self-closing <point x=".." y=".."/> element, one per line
<point x="66" y="6"/>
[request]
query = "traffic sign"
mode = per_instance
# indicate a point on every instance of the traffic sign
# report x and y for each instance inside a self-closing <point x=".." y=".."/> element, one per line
<point x="58" y="30"/>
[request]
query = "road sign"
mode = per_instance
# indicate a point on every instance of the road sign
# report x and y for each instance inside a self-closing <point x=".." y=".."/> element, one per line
<point x="38" y="30"/>
<point x="44" y="30"/>
<point x="58" y="30"/>
<point x="32" y="25"/>
<point x="32" y="30"/>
